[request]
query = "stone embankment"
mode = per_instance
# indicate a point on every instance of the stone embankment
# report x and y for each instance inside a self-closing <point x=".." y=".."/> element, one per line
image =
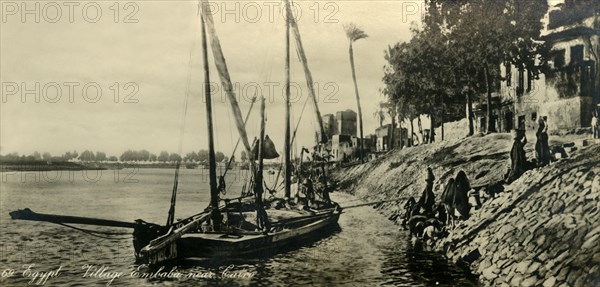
<point x="541" y="230"/>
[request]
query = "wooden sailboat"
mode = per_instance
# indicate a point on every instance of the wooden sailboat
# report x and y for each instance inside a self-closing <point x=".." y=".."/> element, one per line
<point x="232" y="228"/>
<point x="274" y="228"/>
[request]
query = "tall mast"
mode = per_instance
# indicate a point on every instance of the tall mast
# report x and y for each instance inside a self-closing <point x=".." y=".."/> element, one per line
<point x="262" y="220"/>
<point x="223" y="72"/>
<point x="322" y="137"/>
<point x="288" y="165"/>
<point x="212" y="165"/>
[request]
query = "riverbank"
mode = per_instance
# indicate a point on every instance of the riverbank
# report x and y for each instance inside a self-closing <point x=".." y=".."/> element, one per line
<point x="47" y="166"/>
<point x="542" y="230"/>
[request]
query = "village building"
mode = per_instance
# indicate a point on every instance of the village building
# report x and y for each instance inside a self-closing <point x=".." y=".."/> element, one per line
<point x="383" y="135"/>
<point x="329" y="125"/>
<point x="568" y="92"/>
<point x="346" y="122"/>
<point x="341" y="132"/>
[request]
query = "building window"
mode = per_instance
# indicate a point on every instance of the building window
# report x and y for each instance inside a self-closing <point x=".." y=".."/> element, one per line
<point x="508" y="74"/>
<point x="521" y="122"/>
<point x="559" y="59"/>
<point x="576" y="54"/>
<point x="529" y="81"/>
<point x="533" y="116"/>
<point x="521" y="82"/>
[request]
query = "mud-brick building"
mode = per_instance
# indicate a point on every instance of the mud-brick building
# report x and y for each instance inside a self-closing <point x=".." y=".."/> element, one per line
<point x="383" y="135"/>
<point x="341" y="131"/>
<point x="568" y="92"/>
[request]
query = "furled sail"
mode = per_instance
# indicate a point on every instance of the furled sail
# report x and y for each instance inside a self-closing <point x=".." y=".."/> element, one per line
<point x="224" y="73"/>
<point x="309" y="81"/>
<point x="269" y="150"/>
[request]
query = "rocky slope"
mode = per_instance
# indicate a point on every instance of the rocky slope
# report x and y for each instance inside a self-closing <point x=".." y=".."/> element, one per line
<point x="542" y="230"/>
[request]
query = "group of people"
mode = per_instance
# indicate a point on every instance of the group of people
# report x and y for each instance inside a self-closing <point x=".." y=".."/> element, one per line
<point x="310" y="189"/>
<point x="519" y="163"/>
<point x="427" y="219"/>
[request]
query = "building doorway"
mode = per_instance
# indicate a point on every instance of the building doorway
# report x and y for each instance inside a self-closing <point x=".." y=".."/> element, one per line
<point x="522" y="122"/>
<point x="509" y="120"/>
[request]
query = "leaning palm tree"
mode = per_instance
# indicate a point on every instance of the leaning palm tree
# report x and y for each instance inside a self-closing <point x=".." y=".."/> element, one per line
<point x="354" y="33"/>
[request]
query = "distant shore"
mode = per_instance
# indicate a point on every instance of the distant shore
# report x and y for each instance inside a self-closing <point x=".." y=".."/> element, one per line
<point x="41" y="165"/>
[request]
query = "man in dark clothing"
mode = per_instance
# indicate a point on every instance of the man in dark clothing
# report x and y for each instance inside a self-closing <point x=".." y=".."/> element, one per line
<point x="427" y="199"/>
<point x="541" y="146"/>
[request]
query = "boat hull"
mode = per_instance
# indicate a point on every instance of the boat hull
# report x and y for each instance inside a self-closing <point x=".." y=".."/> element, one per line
<point x="296" y="232"/>
<point x="201" y="245"/>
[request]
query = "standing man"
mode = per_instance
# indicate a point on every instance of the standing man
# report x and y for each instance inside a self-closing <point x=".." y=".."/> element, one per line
<point x="542" y="147"/>
<point x="595" y="125"/>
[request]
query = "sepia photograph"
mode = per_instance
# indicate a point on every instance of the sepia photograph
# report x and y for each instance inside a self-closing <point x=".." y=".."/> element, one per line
<point x="300" y="143"/>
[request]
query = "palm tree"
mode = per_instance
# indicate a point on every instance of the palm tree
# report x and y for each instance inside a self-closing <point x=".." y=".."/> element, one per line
<point x="379" y="113"/>
<point x="354" y="33"/>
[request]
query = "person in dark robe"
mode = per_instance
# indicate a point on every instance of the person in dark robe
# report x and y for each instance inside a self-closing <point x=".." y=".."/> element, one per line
<point x="427" y="199"/>
<point x="409" y="210"/>
<point x="309" y="190"/>
<point x="447" y="200"/>
<point x="461" y="204"/>
<point x="542" y="148"/>
<point x="518" y="159"/>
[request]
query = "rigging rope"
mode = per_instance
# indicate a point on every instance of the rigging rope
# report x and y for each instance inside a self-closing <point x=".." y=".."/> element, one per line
<point x="92" y="232"/>
<point x="171" y="215"/>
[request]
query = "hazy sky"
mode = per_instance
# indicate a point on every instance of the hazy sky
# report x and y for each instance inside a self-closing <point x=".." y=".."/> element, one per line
<point x="85" y="51"/>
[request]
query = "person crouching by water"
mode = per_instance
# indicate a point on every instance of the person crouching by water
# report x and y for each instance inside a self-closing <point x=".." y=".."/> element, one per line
<point x="427" y="199"/>
<point x="518" y="159"/>
<point x="541" y="146"/>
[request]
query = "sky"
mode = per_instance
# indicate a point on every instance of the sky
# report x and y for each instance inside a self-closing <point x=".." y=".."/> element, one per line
<point x="109" y="77"/>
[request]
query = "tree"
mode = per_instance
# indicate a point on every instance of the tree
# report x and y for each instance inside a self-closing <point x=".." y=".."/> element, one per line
<point x="113" y="158"/>
<point x="100" y="156"/>
<point x="174" y="157"/>
<point x="163" y="156"/>
<point x="70" y="155"/>
<point x="416" y="85"/>
<point x="192" y="156"/>
<point x="490" y="33"/>
<point x="36" y="155"/>
<point x="152" y="157"/>
<point x="87" y="156"/>
<point x="46" y="156"/>
<point x="379" y="113"/>
<point x="203" y="155"/>
<point x="127" y="156"/>
<point x="243" y="156"/>
<point x="354" y="34"/>
<point x="143" y="155"/>
<point x="219" y="156"/>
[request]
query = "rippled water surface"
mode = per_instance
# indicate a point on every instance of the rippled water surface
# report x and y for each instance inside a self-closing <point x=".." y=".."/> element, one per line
<point x="365" y="250"/>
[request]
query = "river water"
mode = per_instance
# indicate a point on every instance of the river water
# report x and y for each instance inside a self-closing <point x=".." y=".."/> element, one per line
<point x="366" y="249"/>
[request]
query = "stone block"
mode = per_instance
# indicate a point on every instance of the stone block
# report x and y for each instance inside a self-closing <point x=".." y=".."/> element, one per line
<point x="549" y="282"/>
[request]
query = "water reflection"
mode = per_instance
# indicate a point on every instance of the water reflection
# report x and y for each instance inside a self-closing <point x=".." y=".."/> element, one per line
<point x="365" y="249"/>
